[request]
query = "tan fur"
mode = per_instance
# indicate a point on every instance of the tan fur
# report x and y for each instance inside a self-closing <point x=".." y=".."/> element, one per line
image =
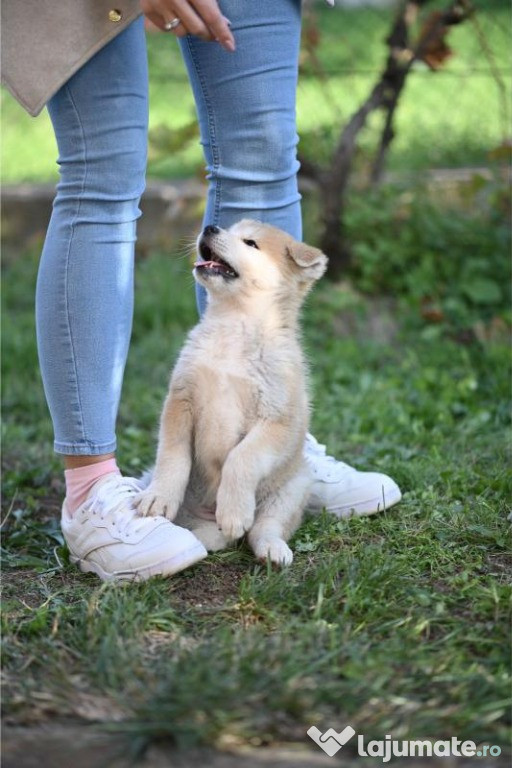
<point x="236" y="415"/>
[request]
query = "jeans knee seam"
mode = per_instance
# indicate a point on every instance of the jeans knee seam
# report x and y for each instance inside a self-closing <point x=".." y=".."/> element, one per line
<point x="211" y="129"/>
<point x="66" y="282"/>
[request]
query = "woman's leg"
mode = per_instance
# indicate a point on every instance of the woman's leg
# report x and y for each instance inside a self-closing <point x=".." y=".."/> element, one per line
<point x="84" y="298"/>
<point x="246" y="108"/>
<point x="84" y="312"/>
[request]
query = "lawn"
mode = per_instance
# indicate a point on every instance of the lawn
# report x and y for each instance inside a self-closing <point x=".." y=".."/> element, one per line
<point x="448" y="119"/>
<point x="397" y="624"/>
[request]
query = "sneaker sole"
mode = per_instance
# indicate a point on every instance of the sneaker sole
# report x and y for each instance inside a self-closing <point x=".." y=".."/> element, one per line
<point x="363" y="508"/>
<point x="166" y="568"/>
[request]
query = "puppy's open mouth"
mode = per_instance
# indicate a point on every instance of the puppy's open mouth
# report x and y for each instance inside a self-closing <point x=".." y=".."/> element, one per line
<point x="212" y="264"/>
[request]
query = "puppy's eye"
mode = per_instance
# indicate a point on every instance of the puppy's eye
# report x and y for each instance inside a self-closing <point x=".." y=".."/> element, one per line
<point x="252" y="244"/>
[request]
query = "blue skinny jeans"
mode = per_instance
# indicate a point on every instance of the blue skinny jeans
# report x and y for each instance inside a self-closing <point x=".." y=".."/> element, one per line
<point x="84" y="298"/>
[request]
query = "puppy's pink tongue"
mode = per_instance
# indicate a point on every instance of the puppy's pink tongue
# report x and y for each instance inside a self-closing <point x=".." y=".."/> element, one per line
<point x="206" y="264"/>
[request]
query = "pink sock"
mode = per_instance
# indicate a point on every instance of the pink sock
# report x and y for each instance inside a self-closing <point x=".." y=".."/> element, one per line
<point x="79" y="481"/>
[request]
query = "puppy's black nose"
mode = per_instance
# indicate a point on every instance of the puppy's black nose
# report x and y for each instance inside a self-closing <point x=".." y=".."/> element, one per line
<point x="211" y="230"/>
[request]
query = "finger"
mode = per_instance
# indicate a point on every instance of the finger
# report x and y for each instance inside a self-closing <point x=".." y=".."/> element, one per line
<point x="156" y="20"/>
<point x="153" y="11"/>
<point x="216" y="22"/>
<point x="149" y="26"/>
<point x="160" y="13"/>
<point x="179" y="31"/>
<point x="190" y="20"/>
<point x="227" y="44"/>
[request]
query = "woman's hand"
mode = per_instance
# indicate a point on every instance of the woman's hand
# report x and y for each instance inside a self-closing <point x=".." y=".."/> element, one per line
<point x="197" y="17"/>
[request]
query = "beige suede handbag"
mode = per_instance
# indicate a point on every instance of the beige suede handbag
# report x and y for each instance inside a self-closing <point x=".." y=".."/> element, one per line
<point x="44" y="42"/>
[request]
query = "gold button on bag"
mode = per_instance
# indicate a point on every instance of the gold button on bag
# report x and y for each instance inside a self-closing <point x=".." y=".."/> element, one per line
<point x="115" y="15"/>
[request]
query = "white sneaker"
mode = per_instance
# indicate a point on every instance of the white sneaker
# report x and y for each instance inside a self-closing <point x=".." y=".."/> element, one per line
<point x="106" y="536"/>
<point x="343" y="490"/>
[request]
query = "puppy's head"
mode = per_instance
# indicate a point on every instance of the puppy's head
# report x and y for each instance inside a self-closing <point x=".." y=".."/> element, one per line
<point x="251" y="260"/>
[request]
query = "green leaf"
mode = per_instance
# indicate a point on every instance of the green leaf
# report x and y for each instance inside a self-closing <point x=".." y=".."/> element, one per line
<point x="482" y="290"/>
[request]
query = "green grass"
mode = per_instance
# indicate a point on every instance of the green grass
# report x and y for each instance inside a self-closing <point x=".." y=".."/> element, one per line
<point x="395" y="624"/>
<point x="452" y="118"/>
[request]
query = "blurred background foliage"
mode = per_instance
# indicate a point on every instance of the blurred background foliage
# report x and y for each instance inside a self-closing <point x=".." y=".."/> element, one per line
<point x="435" y="230"/>
<point x="451" y="118"/>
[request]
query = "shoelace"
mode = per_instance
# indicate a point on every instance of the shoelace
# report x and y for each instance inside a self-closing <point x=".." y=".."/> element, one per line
<point x="319" y="460"/>
<point x="113" y="497"/>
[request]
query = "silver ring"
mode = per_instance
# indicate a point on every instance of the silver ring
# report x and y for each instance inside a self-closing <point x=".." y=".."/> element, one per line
<point x="169" y="25"/>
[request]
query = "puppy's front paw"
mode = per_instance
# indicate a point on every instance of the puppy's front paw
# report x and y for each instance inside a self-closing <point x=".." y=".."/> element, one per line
<point x="154" y="503"/>
<point x="231" y="527"/>
<point x="234" y="520"/>
<point x="276" y="549"/>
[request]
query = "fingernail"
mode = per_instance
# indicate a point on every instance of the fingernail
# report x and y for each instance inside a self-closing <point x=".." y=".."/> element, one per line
<point x="228" y="45"/>
<point x="228" y="22"/>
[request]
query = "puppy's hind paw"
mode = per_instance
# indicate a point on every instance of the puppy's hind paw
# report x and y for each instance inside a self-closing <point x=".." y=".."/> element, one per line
<point x="276" y="549"/>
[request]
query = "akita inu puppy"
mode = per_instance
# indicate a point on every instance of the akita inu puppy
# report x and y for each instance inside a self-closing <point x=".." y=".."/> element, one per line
<point x="230" y="452"/>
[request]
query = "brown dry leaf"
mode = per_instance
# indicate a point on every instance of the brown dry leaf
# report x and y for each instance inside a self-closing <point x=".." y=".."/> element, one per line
<point x="431" y="311"/>
<point x="432" y="41"/>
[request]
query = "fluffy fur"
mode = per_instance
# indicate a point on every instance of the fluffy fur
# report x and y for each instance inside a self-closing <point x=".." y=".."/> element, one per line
<point x="230" y="453"/>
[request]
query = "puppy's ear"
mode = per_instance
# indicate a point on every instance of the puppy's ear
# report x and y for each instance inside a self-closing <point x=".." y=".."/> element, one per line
<point x="309" y="259"/>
